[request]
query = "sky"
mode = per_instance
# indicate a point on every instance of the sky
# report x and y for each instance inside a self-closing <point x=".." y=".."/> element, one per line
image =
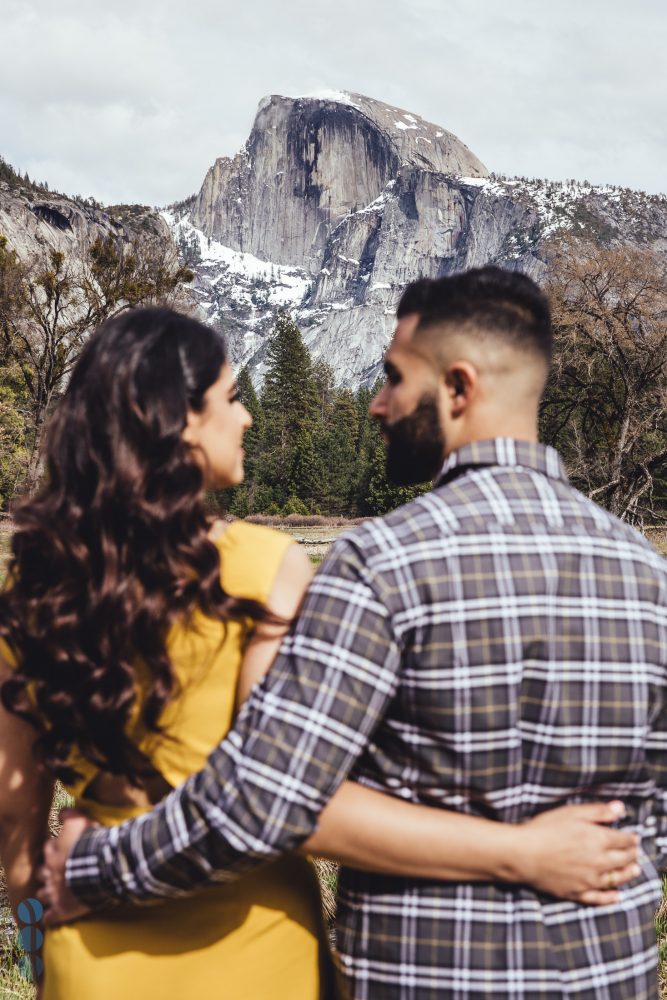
<point x="133" y="101"/>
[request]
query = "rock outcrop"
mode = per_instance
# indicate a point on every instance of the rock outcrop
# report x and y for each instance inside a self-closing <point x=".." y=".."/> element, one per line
<point x="32" y="219"/>
<point x="337" y="201"/>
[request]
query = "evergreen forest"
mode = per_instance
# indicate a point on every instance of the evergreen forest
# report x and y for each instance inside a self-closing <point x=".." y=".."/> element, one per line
<point x="312" y="447"/>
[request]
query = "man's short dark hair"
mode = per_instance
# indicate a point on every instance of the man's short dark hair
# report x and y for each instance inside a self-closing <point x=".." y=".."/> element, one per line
<point x="488" y="300"/>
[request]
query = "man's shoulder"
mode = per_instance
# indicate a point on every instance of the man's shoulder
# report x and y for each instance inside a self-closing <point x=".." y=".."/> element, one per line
<point x="601" y="522"/>
<point x="467" y="511"/>
<point x="422" y="518"/>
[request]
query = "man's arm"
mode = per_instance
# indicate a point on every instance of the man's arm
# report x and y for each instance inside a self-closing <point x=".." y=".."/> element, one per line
<point x="295" y="740"/>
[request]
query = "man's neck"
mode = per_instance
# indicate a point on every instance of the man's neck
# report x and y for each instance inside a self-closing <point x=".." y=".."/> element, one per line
<point x="517" y="430"/>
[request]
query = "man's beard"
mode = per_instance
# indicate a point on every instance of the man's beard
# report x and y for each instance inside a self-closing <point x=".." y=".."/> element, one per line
<point x="416" y="445"/>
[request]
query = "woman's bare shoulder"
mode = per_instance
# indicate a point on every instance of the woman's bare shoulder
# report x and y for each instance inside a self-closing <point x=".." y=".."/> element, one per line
<point x="291" y="582"/>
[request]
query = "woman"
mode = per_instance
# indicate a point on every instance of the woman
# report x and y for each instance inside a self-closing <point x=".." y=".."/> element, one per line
<point x="132" y="628"/>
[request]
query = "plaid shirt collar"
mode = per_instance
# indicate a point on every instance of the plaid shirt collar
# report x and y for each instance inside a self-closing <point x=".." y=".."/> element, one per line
<point x="505" y="451"/>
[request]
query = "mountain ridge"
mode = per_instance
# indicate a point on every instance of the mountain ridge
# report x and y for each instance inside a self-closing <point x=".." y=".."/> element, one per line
<point x="400" y="216"/>
<point x="333" y="204"/>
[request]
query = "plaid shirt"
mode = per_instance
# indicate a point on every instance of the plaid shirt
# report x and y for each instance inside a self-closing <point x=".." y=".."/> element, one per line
<point x="497" y="647"/>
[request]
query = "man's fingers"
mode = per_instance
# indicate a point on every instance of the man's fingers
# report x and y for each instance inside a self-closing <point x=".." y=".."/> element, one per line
<point x="43" y="875"/>
<point x="50" y="851"/>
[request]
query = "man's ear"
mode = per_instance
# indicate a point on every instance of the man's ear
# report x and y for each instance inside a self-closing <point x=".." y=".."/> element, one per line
<point x="461" y="380"/>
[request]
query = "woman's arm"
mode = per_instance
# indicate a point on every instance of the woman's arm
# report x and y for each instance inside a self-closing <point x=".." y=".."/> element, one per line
<point x="285" y="599"/>
<point x="565" y="852"/>
<point x="25" y="798"/>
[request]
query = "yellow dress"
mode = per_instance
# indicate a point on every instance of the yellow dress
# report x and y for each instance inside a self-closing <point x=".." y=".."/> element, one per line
<point x="261" y="936"/>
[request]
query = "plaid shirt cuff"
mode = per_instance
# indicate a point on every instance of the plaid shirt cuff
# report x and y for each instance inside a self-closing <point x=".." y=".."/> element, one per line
<point x="88" y="868"/>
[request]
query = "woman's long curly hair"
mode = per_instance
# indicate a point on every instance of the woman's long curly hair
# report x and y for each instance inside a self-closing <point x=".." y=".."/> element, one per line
<point x="114" y="548"/>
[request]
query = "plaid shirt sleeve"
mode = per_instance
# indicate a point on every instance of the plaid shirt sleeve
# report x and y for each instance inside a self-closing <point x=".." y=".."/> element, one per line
<point x="263" y="788"/>
<point x="656" y="738"/>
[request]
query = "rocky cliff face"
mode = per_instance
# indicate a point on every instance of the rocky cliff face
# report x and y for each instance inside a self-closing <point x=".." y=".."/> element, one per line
<point x="309" y="164"/>
<point x="33" y="219"/>
<point x="336" y="202"/>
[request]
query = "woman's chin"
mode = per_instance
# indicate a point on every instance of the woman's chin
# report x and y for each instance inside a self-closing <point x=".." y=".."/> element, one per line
<point x="226" y="482"/>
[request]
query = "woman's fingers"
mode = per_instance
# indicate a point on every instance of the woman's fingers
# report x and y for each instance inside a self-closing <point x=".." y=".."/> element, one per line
<point x="570" y="852"/>
<point x="607" y="892"/>
<point x="619" y="861"/>
<point x="598" y="897"/>
<point x="594" y="812"/>
<point x="621" y="840"/>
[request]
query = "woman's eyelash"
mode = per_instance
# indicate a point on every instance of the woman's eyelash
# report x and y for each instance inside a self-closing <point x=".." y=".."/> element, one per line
<point x="235" y="398"/>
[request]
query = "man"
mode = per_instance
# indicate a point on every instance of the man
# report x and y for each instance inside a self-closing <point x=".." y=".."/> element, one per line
<point x="497" y="647"/>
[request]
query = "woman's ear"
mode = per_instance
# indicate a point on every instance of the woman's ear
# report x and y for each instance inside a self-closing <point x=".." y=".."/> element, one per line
<point x="189" y="434"/>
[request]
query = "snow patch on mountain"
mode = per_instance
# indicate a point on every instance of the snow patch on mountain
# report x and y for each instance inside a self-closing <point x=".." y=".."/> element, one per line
<point x="236" y="291"/>
<point x="288" y="285"/>
<point x="338" y="96"/>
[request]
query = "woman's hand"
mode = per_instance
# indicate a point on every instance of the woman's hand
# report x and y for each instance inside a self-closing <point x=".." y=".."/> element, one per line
<point x="60" y="905"/>
<point x="570" y="853"/>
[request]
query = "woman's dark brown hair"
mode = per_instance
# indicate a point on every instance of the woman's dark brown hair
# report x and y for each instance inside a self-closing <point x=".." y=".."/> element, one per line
<point x="113" y="548"/>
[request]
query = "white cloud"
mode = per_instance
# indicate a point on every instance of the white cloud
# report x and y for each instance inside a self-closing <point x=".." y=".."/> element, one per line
<point x="135" y="102"/>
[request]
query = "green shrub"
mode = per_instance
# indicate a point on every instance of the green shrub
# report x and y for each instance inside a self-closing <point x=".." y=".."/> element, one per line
<point x="294" y="506"/>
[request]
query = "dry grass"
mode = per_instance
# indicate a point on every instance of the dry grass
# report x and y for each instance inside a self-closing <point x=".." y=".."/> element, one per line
<point x="304" y="521"/>
<point x="13" y="982"/>
<point x="327" y="872"/>
<point x="661" y="928"/>
<point x="14" y="985"/>
<point x="5" y="542"/>
<point x="658" y="538"/>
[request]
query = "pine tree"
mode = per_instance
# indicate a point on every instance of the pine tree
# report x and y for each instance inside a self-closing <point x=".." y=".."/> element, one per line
<point x="365" y="441"/>
<point x="325" y="387"/>
<point x="339" y="453"/>
<point x="290" y="405"/>
<point x="242" y="500"/>
<point x="307" y="477"/>
<point x="253" y="437"/>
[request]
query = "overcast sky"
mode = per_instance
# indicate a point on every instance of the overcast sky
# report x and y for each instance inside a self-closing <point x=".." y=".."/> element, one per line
<point x="133" y="101"/>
